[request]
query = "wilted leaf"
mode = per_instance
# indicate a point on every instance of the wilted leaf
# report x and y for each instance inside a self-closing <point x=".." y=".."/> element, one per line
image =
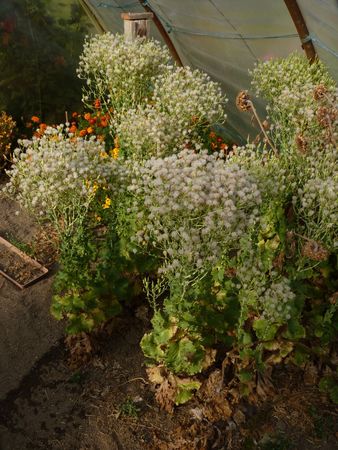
<point x="209" y="358"/>
<point x="155" y="374"/>
<point x="165" y="396"/>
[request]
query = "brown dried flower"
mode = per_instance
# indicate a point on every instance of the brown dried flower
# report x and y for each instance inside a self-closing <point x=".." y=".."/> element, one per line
<point x="326" y="116"/>
<point x="302" y="143"/>
<point x="243" y="101"/>
<point x="319" y="92"/>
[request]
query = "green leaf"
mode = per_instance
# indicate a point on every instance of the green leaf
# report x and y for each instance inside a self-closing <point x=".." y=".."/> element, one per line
<point x="295" y="330"/>
<point x="245" y="376"/>
<point x="246" y="338"/>
<point x="264" y="330"/>
<point x="186" y="391"/>
<point x="185" y="356"/>
<point x="300" y="357"/>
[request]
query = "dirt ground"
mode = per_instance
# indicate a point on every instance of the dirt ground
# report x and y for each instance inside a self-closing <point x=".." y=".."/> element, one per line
<point x="27" y="331"/>
<point x="49" y="403"/>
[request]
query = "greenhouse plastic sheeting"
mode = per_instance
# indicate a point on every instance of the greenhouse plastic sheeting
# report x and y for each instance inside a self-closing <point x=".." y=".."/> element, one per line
<point x="40" y="42"/>
<point x="226" y="37"/>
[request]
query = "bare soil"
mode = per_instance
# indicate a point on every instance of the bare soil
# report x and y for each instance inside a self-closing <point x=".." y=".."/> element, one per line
<point x="27" y="330"/>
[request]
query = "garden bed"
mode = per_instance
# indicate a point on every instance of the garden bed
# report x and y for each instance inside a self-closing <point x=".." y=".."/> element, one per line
<point x="18" y="267"/>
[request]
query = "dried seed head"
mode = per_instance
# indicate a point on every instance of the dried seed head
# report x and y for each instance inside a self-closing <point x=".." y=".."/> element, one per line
<point x="326" y="116"/>
<point x="266" y="125"/>
<point x="319" y="92"/>
<point x="315" y="251"/>
<point x="302" y="143"/>
<point x="243" y="101"/>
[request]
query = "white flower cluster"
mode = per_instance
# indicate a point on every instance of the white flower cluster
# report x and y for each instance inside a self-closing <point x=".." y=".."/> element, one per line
<point x="319" y="208"/>
<point x="118" y="72"/>
<point x="193" y="207"/>
<point x="184" y="102"/>
<point x="56" y="170"/>
<point x="288" y="85"/>
<point x="289" y="79"/>
<point x="276" y="302"/>
<point x="262" y="291"/>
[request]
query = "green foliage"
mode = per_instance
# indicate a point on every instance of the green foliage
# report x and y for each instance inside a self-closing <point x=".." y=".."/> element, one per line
<point x="129" y="408"/>
<point x="40" y="45"/>
<point x="329" y="384"/>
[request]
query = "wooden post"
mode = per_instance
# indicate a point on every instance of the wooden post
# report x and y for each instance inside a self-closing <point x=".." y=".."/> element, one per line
<point x="136" y="25"/>
<point x="302" y="29"/>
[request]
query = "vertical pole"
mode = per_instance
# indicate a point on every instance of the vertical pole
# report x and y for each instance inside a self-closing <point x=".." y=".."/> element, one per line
<point x="136" y="25"/>
<point x="302" y="29"/>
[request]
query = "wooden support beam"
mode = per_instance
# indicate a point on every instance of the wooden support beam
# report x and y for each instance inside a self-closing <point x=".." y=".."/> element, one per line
<point x="302" y="29"/>
<point x="136" y="25"/>
<point x="164" y="34"/>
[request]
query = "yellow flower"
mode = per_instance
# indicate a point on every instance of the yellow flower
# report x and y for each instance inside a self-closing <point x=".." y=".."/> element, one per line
<point x="114" y="153"/>
<point x="95" y="187"/>
<point x="107" y="203"/>
<point x="98" y="218"/>
<point x="103" y="154"/>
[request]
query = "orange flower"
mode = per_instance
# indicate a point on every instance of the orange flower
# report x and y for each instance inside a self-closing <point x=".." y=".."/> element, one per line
<point x="43" y="127"/>
<point x="212" y="135"/>
<point x="72" y="129"/>
<point x="90" y="130"/>
<point x="92" y="121"/>
<point x="97" y="104"/>
<point x="75" y="114"/>
<point x="87" y="116"/>
<point x="104" y="122"/>
<point x="83" y="133"/>
<point x="224" y="146"/>
<point x="35" y="119"/>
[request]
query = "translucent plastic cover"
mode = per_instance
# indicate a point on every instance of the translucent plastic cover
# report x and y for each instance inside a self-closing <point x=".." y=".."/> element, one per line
<point x="39" y="48"/>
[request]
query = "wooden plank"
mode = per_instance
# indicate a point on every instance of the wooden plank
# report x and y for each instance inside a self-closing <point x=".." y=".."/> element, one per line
<point x="137" y="16"/>
<point x="136" y="28"/>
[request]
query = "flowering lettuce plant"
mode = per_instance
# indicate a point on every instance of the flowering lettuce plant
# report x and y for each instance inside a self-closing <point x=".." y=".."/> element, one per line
<point x="184" y="104"/>
<point x="120" y="73"/>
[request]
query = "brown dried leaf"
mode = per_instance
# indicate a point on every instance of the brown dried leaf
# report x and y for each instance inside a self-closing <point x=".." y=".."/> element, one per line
<point x="278" y="262"/>
<point x="315" y="251"/>
<point x="165" y="396"/>
<point x="209" y="358"/>
<point x="239" y="417"/>
<point x="310" y="376"/>
<point x="216" y="405"/>
<point x="264" y="386"/>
